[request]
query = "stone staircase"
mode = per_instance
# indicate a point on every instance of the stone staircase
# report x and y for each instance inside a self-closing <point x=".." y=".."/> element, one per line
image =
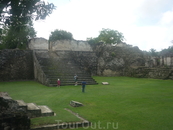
<point x="35" y="110"/>
<point x="62" y="66"/>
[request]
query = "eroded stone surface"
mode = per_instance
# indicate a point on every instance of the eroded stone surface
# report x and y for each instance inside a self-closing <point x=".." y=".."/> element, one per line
<point x="75" y="103"/>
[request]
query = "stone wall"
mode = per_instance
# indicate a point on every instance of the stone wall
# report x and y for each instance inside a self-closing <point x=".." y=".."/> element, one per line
<point x="146" y="72"/>
<point x="38" y="44"/>
<point x="107" y="60"/>
<point x="16" y="65"/>
<point x="39" y="75"/>
<point x="132" y="62"/>
<point x="116" y="60"/>
<point x="66" y="45"/>
<point x="166" y="61"/>
<point x="70" y="45"/>
<point x="87" y="61"/>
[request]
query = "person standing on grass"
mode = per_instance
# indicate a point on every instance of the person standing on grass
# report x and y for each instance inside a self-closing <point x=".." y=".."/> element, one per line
<point x="75" y="79"/>
<point x="83" y="86"/>
<point x="58" y="83"/>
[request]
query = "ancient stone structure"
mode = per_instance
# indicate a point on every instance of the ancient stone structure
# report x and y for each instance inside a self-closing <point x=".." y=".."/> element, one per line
<point x="125" y="60"/>
<point x="75" y="104"/>
<point x="12" y="117"/>
<point x="116" y="60"/>
<point x="86" y="60"/>
<point x="38" y="44"/>
<point x="70" y="45"/>
<point x="103" y="60"/>
<point x="49" y="66"/>
<point x="16" y="65"/>
<point x="45" y="62"/>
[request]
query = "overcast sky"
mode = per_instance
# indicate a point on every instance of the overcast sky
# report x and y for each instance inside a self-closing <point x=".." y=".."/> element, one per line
<point x="144" y="23"/>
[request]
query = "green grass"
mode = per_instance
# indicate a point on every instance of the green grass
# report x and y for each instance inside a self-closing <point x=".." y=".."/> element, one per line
<point x="127" y="103"/>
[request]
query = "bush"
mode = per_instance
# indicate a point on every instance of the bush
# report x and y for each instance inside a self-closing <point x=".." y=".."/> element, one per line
<point x="60" y="35"/>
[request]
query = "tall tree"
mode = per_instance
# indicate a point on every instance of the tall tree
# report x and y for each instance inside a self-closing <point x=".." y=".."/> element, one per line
<point x="17" y="16"/>
<point x="12" y="39"/>
<point x="12" y="12"/>
<point x="108" y="36"/>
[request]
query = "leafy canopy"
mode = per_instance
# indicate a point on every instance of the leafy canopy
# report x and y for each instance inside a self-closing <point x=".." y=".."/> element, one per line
<point x="10" y="39"/>
<point x="107" y="36"/>
<point x="17" y="16"/>
<point x="153" y="52"/>
<point x="12" y="12"/>
<point x="60" y="35"/>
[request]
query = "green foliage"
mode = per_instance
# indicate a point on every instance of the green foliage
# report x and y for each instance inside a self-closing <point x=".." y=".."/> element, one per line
<point x="2" y="46"/>
<point x="107" y="36"/>
<point x="17" y="15"/>
<point x="93" y="40"/>
<point x="153" y="52"/>
<point x="110" y="36"/>
<point x="12" y="12"/>
<point x="60" y="35"/>
<point x="17" y="37"/>
<point x="168" y="51"/>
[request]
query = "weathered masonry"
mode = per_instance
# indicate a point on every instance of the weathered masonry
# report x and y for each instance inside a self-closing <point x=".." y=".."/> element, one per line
<point x="45" y="62"/>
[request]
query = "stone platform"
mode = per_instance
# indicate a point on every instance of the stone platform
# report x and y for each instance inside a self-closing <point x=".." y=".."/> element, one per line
<point x="34" y="110"/>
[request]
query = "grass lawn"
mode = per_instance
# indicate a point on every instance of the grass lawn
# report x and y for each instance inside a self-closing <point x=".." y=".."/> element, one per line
<point x="126" y="104"/>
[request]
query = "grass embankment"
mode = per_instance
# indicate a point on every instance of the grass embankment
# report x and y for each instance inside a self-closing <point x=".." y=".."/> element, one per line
<point x="126" y="104"/>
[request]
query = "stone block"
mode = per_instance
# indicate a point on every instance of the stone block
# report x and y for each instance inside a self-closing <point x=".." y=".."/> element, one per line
<point x="46" y="111"/>
<point x="75" y="104"/>
<point x="22" y="104"/>
<point x="33" y="109"/>
<point x="105" y="83"/>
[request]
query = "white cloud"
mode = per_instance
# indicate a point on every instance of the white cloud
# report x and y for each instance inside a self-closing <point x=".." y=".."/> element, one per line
<point x="167" y="18"/>
<point x="144" y="23"/>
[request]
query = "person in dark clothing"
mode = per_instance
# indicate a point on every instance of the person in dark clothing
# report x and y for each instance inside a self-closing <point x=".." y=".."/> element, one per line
<point x="83" y="86"/>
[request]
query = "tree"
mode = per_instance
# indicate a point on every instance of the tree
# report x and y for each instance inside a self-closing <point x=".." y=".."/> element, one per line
<point x="168" y="51"/>
<point x="93" y="40"/>
<point x="12" y="39"/>
<point x="12" y="12"/>
<point x="60" y="35"/>
<point x="153" y="52"/>
<point x="17" y="16"/>
<point x="108" y="36"/>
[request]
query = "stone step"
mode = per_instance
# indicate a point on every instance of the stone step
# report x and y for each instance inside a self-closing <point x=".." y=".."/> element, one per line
<point x="64" y="69"/>
<point x="58" y="68"/>
<point x="71" y="79"/>
<point x="22" y="104"/>
<point x="33" y="109"/>
<point x="64" y="84"/>
<point x="170" y="77"/>
<point x="68" y="75"/>
<point x="46" y="111"/>
<point x="79" y="81"/>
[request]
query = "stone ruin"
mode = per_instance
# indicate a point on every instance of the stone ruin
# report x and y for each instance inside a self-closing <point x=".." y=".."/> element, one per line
<point x="11" y="116"/>
<point x="75" y="104"/>
<point x="99" y="60"/>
